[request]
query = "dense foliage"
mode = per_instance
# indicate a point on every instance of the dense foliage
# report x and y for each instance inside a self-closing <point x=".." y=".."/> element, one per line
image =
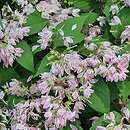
<point x="64" y="65"/>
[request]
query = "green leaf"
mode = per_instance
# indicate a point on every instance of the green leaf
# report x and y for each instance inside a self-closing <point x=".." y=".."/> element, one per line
<point x="6" y="74"/>
<point x="124" y="16"/>
<point x="82" y="5"/>
<point x="67" y="127"/>
<point x="35" y="22"/>
<point x="0" y="20"/>
<point x="114" y="91"/>
<point x="13" y="100"/>
<point x="43" y="67"/>
<point x="103" y="122"/>
<point x="90" y="17"/>
<point x="100" y="99"/>
<point x="124" y="88"/>
<point x="26" y="60"/>
<point x="66" y="26"/>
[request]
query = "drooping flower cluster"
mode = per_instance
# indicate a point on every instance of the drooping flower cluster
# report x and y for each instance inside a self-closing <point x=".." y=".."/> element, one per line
<point x="17" y="88"/>
<point x="63" y="91"/>
<point x="60" y="93"/>
<point x="110" y="65"/>
<point x="59" y="96"/>
<point x="11" y="31"/>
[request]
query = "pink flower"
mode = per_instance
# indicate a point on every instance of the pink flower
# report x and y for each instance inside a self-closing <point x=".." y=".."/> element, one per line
<point x="67" y="41"/>
<point x="118" y="127"/>
<point x="114" y="9"/>
<point x="56" y="69"/>
<point x="91" y="47"/>
<point x="41" y="6"/>
<point x="61" y="112"/>
<point x="73" y="127"/>
<point x="127" y="2"/>
<point x="101" y="128"/>
<point x="2" y="94"/>
<point x="47" y="114"/>
<point x="75" y="95"/>
<point x="32" y="128"/>
<point x="18" y="52"/>
<point x="110" y="117"/>
<point x="125" y="34"/>
<point x="115" y="21"/>
<point x="126" y="112"/>
<point x="43" y="87"/>
<point x="122" y="64"/>
<point x="72" y="83"/>
<point x="45" y="36"/>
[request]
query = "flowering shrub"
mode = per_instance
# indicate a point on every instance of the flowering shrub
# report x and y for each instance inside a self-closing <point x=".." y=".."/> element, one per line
<point x="64" y="65"/>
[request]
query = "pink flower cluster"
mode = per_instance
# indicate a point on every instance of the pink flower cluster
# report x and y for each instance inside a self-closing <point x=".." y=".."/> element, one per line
<point x="11" y="31"/>
<point x="53" y="11"/>
<point x="113" y="124"/>
<point x="27" y="6"/>
<point x="17" y="88"/>
<point x="61" y="93"/>
<point x="110" y="65"/>
<point x="45" y="37"/>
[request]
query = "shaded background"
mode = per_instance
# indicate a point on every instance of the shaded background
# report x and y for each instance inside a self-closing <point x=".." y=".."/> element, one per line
<point x="3" y="2"/>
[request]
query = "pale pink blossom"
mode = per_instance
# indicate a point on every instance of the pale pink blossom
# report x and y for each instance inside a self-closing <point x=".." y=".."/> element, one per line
<point x="115" y="21"/>
<point x="73" y="127"/>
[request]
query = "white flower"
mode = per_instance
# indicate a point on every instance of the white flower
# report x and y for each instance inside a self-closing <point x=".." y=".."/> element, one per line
<point x="114" y="9"/>
<point x="102" y="20"/>
<point x="75" y="12"/>
<point x="22" y="2"/>
<point x="28" y="9"/>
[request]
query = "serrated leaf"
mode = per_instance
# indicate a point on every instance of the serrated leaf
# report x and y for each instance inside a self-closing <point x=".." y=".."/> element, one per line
<point x="26" y="60"/>
<point x="100" y="99"/>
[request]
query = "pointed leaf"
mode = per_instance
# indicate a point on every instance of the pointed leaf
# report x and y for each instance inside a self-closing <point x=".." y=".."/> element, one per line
<point x="35" y="22"/>
<point x="100" y="99"/>
<point x="26" y="60"/>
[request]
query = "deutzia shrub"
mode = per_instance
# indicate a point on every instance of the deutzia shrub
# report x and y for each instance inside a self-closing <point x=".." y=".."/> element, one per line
<point x="64" y="65"/>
